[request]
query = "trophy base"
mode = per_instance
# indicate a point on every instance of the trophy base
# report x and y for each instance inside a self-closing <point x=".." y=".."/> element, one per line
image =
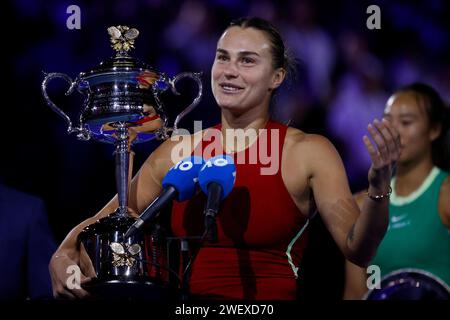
<point x="126" y="290"/>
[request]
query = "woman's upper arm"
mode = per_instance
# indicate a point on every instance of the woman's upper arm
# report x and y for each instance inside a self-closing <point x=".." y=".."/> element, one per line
<point x="146" y="184"/>
<point x="332" y="195"/>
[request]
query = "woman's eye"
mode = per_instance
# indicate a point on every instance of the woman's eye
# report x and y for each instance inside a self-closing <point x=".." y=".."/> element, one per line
<point x="221" y="57"/>
<point x="247" y="60"/>
<point x="406" y="123"/>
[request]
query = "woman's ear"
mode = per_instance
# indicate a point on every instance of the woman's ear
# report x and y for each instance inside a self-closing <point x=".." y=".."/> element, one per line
<point x="435" y="131"/>
<point x="278" y="78"/>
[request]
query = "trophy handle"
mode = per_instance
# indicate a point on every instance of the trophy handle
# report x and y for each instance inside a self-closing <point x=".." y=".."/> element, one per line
<point x="157" y="88"/>
<point x="82" y="133"/>
<point x="197" y="77"/>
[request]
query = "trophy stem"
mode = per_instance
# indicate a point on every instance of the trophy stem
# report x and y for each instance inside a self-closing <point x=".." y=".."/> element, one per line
<point x="122" y="154"/>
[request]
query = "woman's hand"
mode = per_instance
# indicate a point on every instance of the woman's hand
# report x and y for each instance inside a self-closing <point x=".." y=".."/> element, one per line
<point x="65" y="282"/>
<point x="384" y="152"/>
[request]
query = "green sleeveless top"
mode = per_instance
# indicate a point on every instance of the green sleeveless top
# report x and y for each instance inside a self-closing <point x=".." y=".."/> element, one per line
<point x="416" y="236"/>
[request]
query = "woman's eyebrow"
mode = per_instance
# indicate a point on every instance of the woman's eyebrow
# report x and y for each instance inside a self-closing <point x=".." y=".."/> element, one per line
<point x="408" y="115"/>
<point x="401" y="115"/>
<point x="240" y="53"/>
<point x="219" y="50"/>
<point x="247" y="53"/>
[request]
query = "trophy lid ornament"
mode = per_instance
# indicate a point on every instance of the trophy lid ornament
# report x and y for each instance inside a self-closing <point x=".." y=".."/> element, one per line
<point x="122" y="38"/>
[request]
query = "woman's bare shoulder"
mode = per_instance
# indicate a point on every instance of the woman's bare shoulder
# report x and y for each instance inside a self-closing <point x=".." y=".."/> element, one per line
<point x="313" y="151"/>
<point x="299" y="139"/>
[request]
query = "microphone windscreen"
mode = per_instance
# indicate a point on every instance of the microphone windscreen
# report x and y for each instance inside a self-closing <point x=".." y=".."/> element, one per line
<point x="221" y="170"/>
<point x="183" y="176"/>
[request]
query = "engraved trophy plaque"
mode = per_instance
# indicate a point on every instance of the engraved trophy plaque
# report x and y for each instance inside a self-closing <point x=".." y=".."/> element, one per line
<point x="122" y="106"/>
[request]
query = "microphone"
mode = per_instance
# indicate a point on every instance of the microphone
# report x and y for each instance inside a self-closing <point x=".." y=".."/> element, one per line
<point x="216" y="178"/>
<point x="180" y="183"/>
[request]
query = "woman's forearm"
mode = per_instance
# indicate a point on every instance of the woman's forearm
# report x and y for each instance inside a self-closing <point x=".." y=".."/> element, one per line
<point x="369" y="229"/>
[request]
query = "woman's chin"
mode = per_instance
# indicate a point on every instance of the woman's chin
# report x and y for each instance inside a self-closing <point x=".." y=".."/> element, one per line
<point x="405" y="160"/>
<point x="228" y="106"/>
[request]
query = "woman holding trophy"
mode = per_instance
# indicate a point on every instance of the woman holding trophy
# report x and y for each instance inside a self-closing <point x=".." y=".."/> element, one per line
<point x="261" y="224"/>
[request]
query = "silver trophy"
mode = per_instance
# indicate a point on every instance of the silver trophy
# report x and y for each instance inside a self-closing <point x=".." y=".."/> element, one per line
<point x="122" y="106"/>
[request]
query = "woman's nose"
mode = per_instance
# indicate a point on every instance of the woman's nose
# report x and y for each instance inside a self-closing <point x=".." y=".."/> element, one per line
<point x="401" y="134"/>
<point x="231" y="71"/>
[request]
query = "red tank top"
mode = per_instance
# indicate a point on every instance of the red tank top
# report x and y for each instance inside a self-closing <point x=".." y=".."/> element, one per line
<point x="260" y="230"/>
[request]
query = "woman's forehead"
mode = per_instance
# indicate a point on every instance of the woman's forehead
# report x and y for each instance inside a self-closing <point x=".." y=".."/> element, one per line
<point x="237" y="39"/>
<point x="403" y="103"/>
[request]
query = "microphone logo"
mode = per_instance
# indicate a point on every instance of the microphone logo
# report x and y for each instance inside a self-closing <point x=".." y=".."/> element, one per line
<point x="218" y="162"/>
<point x="219" y="169"/>
<point x="184" y="166"/>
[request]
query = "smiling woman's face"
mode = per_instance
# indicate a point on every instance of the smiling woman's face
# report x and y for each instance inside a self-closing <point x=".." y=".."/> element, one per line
<point x="242" y="76"/>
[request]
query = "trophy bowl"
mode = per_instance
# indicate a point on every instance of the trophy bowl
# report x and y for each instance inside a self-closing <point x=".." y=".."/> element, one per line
<point x="122" y="89"/>
<point x="117" y="90"/>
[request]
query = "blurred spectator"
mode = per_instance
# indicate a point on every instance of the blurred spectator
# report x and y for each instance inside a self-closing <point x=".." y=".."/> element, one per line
<point x="312" y="44"/>
<point x="359" y="98"/>
<point x="26" y="244"/>
<point x="192" y="35"/>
